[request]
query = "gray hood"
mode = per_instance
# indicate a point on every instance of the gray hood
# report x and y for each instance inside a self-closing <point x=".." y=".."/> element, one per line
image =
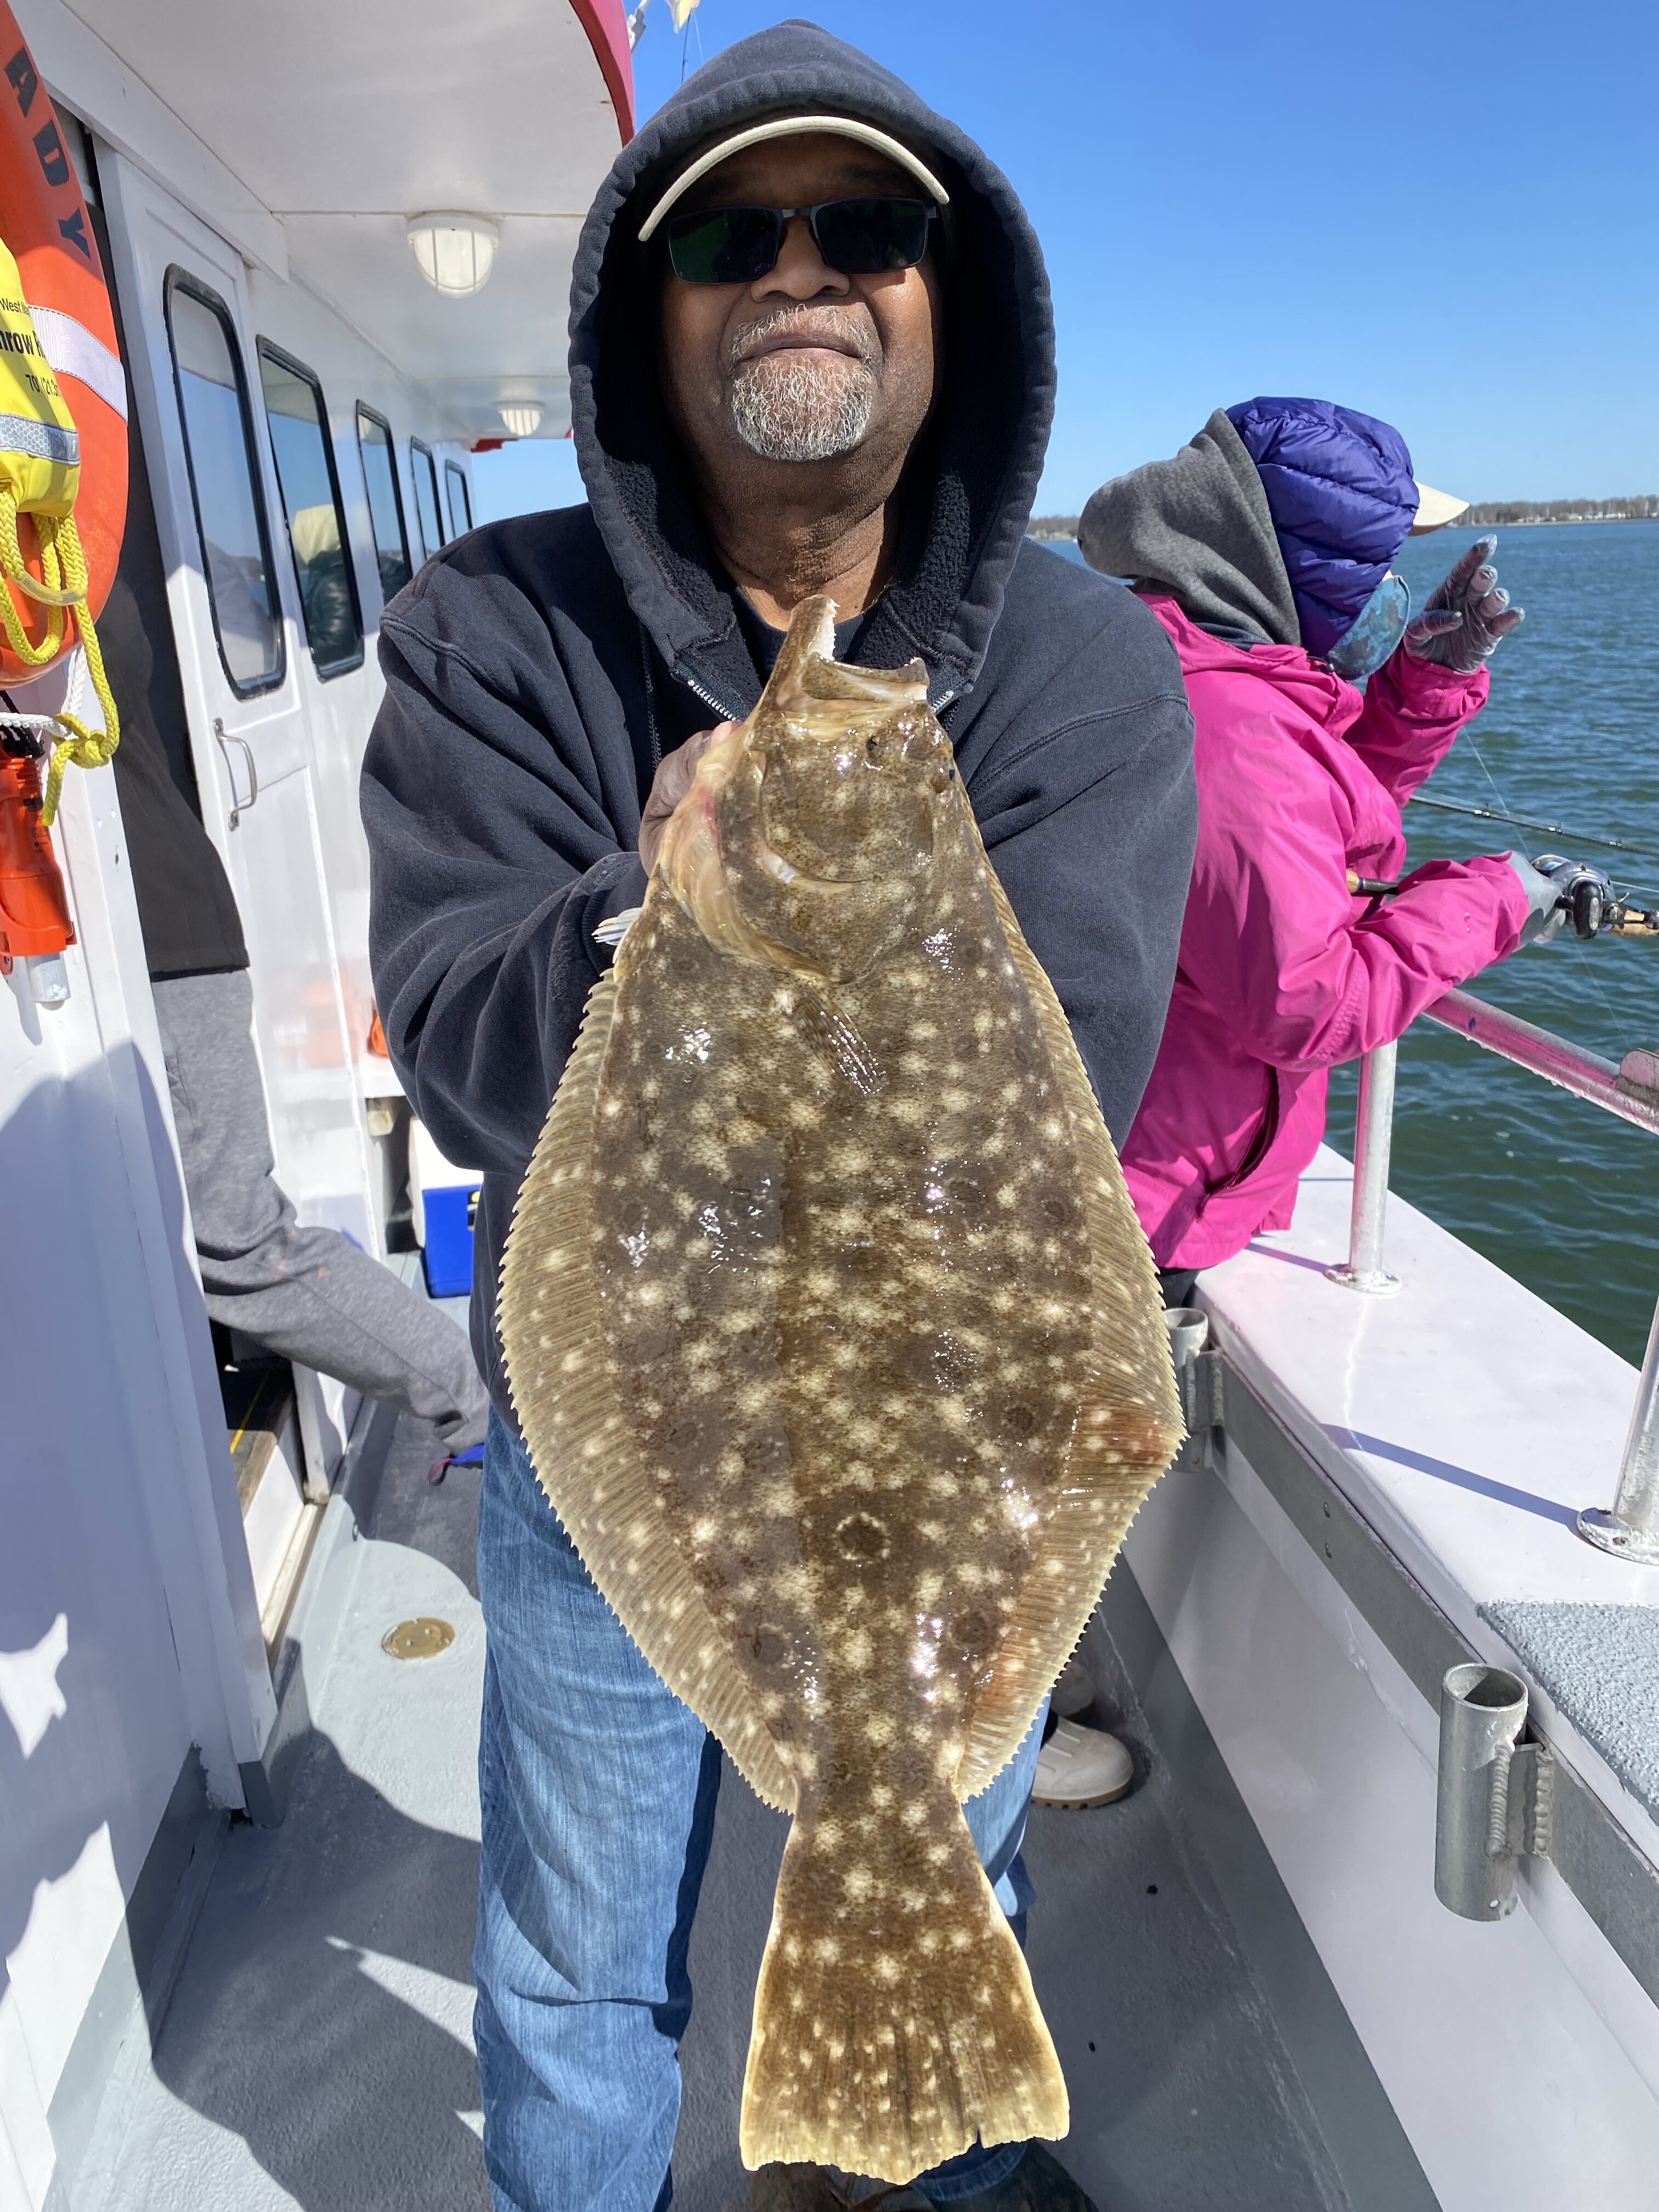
<point x="1198" y="527"/>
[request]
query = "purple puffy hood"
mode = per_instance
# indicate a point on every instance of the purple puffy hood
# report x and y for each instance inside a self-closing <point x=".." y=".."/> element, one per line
<point x="1342" y="497"/>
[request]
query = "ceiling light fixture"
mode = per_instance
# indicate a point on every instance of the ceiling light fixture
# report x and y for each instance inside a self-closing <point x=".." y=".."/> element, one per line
<point x="454" y="252"/>
<point x="522" y="417"/>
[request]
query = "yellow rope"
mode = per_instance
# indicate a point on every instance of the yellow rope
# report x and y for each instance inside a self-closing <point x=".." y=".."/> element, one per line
<point x="47" y="529"/>
<point x="63" y="587"/>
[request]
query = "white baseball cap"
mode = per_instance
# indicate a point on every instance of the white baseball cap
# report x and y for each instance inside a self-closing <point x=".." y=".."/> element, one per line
<point x="793" y="126"/>
<point x="1434" y="509"/>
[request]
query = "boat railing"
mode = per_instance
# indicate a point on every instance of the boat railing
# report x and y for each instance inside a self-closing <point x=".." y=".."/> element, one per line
<point x="1630" y="1089"/>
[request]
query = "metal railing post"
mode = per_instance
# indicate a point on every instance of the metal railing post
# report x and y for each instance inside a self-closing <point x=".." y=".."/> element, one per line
<point x="1631" y="1529"/>
<point x="1628" y="1088"/>
<point x="1373" y="1142"/>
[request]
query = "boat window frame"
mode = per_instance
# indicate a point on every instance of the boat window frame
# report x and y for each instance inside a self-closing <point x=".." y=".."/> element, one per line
<point x="177" y="278"/>
<point x="362" y="411"/>
<point x="418" y="446"/>
<point x="268" y="349"/>
<point x="453" y="470"/>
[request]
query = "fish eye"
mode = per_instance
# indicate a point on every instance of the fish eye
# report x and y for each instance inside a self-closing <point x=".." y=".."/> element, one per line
<point x="871" y="746"/>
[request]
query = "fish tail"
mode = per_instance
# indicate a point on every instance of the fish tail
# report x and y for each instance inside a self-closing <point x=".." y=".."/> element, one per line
<point x="894" y="2021"/>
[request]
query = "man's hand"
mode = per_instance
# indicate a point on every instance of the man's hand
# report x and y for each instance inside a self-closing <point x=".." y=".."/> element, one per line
<point x="670" y="786"/>
<point x="1463" y="618"/>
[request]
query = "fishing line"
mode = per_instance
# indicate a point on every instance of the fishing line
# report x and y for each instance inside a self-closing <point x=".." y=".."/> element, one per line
<point x="1469" y="739"/>
<point x="1525" y="821"/>
<point x="1587" y="971"/>
<point x="1528" y="822"/>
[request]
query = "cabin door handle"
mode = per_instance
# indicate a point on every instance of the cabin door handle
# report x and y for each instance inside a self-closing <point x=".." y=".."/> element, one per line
<point x="238" y="806"/>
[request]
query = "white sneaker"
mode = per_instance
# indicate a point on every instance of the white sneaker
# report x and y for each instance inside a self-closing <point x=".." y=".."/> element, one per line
<point x="1073" y="1693"/>
<point x="1080" y="1767"/>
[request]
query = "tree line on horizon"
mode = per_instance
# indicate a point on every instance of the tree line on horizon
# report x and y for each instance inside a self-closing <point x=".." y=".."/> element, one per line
<point x="1484" y="514"/>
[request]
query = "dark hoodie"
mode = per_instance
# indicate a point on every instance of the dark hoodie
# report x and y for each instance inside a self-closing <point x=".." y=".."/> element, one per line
<point x="538" y="669"/>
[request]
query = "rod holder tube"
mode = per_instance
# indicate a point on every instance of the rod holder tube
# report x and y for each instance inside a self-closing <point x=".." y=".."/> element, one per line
<point x="1373" y="1144"/>
<point x="1630" y="1530"/>
<point x="1194" y="1369"/>
<point x="1483" y="1711"/>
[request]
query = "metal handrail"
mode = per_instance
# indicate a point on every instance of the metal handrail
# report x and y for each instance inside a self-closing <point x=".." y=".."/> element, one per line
<point x="1630" y="1530"/>
<point x="1630" y="1089"/>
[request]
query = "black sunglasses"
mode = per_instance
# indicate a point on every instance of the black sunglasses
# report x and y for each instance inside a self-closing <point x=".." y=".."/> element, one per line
<point x="859" y="237"/>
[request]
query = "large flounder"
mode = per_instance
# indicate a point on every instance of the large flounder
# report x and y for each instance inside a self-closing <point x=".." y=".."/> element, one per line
<point x="838" y="1351"/>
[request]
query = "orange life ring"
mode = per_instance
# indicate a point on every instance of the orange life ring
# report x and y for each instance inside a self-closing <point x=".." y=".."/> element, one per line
<point x="43" y="219"/>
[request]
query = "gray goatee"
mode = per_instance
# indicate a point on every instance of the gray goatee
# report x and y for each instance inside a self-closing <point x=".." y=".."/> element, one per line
<point x="799" y="407"/>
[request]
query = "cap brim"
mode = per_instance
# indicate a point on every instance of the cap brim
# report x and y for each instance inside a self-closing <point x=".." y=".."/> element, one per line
<point x="793" y="126"/>
<point x="1434" y="509"/>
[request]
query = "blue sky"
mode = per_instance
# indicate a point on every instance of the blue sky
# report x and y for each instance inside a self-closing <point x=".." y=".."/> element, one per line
<point x="1443" y="215"/>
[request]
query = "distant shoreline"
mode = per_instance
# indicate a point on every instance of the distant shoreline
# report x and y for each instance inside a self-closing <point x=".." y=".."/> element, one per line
<point x="1538" y="521"/>
<point x="1483" y="516"/>
<point x="1053" y="530"/>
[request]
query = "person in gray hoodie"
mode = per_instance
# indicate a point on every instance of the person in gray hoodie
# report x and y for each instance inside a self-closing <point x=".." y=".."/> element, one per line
<point x="783" y="400"/>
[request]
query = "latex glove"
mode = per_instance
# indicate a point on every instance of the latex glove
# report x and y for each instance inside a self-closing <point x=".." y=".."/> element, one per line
<point x="1463" y="618"/>
<point x="1544" y="896"/>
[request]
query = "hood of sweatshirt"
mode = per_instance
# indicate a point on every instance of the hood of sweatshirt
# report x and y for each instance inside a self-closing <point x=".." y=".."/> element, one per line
<point x="971" y="481"/>
<point x="1199" y="528"/>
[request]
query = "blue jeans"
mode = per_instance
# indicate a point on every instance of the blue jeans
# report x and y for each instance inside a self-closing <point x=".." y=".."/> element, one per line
<point x="597" y="1788"/>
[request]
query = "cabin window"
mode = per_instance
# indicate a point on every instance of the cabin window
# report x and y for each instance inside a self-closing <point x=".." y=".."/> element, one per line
<point x="224" y="484"/>
<point x="424" y="469"/>
<point x="461" y="500"/>
<point x="385" y="501"/>
<point x="310" y="485"/>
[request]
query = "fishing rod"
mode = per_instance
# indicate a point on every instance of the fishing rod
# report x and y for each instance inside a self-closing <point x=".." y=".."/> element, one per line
<point x="1587" y="899"/>
<point x="1526" y="821"/>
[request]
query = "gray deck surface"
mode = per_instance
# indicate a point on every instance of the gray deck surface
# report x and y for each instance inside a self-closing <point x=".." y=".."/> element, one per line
<point x="1600" y="1664"/>
<point x="317" y="2050"/>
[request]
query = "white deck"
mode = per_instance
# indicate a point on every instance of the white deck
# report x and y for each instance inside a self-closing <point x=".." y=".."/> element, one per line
<point x="1467" y="1421"/>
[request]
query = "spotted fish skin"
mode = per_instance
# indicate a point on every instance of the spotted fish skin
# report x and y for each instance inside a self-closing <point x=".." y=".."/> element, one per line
<point x="839" y="1352"/>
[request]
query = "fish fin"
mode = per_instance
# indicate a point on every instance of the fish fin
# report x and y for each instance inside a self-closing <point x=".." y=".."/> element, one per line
<point x="586" y="1459"/>
<point x="887" y="2039"/>
<point x="1128" y="1428"/>
<point x="615" y="926"/>
<point x="836" y="1044"/>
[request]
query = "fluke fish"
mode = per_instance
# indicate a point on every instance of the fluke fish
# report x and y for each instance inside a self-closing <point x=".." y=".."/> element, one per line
<point x="838" y="1351"/>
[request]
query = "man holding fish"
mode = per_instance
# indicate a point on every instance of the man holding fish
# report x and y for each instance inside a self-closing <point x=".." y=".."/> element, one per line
<point x="811" y="361"/>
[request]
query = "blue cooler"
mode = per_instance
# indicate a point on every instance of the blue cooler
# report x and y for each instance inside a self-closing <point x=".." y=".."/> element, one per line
<point x="444" y="1201"/>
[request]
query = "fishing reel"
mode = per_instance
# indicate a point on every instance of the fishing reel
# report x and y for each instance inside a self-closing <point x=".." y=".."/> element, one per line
<point x="1590" y="903"/>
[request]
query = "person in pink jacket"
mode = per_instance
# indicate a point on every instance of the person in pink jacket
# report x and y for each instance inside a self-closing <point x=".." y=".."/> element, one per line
<point x="1263" y="547"/>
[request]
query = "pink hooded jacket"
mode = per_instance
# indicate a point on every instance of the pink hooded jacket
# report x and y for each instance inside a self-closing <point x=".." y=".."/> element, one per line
<point x="1283" y="973"/>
